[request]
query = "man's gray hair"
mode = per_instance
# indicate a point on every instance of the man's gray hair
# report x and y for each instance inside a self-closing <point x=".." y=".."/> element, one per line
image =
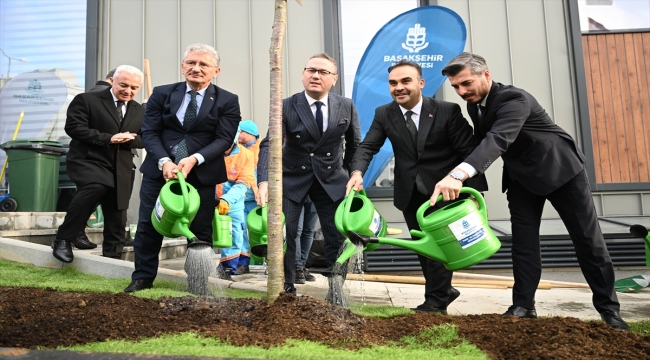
<point x="476" y="64"/>
<point x="129" y="70"/>
<point x="202" y="49"/>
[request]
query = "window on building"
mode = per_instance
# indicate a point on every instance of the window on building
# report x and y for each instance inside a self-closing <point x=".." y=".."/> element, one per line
<point x="614" y="15"/>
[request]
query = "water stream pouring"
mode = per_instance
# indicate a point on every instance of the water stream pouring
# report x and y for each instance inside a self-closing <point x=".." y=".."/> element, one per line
<point x="457" y="235"/>
<point x="641" y="231"/>
<point x="175" y="209"/>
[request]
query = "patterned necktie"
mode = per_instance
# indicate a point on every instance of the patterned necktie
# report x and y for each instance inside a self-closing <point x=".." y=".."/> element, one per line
<point x="120" y="103"/>
<point x="319" y="116"/>
<point x="190" y="116"/>
<point x="410" y="125"/>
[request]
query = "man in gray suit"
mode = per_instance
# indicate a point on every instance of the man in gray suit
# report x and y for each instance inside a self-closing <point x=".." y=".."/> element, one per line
<point x="316" y="126"/>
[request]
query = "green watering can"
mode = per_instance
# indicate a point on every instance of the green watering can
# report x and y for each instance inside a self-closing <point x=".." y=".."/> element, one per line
<point x="256" y="222"/>
<point x="636" y="282"/>
<point x="175" y="209"/>
<point x="642" y="232"/>
<point x="221" y="230"/>
<point x="457" y="235"/>
<point x="358" y="214"/>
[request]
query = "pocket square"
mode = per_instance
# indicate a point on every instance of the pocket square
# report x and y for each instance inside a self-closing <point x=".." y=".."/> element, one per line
<point x="343" y="122"/>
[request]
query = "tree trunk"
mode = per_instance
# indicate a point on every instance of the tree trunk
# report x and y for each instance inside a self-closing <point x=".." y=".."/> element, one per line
<point x="275" y="231"/>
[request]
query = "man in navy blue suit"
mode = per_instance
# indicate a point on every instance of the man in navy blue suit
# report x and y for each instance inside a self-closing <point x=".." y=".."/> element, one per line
<point x="187" y="127"/>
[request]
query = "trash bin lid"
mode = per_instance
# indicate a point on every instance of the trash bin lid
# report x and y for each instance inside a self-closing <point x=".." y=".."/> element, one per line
<point x="40" y="146"/>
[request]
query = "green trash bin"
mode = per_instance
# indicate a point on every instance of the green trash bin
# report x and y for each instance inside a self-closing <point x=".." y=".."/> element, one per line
<point x="33" y="173"/>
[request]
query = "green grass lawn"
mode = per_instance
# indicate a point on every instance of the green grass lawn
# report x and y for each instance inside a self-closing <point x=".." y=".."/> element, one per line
<point x="433" y="343"/>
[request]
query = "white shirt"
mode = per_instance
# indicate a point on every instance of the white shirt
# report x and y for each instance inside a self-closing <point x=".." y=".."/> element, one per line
<point x="326" y="113"/>
<point x="115" y="100"/>
<point x="469" y="169"/>
<point x="180" y="114"/>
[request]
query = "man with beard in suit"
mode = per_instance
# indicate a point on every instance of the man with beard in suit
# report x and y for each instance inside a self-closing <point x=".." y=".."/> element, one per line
<point x="541" y="162"/>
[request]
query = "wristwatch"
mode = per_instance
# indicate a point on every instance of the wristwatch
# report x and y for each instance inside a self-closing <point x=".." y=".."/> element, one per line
<point x="458" y="175"/>
<point x="162" y="163"/>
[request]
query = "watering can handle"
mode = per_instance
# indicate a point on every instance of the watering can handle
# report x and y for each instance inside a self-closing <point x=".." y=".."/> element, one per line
<point x="348" y="205"/>
<point x="265" y="216"/>
<point x="468" y="190"/>
<point x="186" y="196"/>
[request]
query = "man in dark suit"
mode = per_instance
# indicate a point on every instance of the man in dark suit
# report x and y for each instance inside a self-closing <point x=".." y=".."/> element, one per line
<point x="429" y="137"/>
<point x="316" y="126"/>
<point x="103" y="84"/>
<point x="541" y="162"/>
<point x="188" y="126"/>
<point x="104" y="127"/>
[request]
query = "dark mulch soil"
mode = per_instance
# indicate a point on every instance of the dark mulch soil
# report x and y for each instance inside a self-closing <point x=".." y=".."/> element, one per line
<point x="36" y="317"/>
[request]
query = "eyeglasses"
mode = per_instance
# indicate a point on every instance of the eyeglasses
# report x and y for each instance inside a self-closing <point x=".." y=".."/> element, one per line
<point x="192" y="63"/>
<point x="321" y="72"/>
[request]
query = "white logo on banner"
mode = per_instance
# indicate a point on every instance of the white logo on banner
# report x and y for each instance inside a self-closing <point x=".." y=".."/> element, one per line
<point x="415" y="39"/>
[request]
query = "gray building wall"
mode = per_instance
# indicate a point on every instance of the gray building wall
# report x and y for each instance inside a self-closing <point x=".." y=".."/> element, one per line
<point x="527" y="43"/>
<point x="240" y="30"/>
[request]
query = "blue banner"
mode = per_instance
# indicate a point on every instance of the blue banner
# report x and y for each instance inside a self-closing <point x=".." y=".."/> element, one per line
<point x="428" y="35"/>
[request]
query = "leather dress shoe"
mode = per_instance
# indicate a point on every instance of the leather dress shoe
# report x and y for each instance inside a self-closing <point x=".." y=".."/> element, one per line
<point x="429" y="309"/>
<point x="137" y="285"/>
<point x="300" y="276"/>
<point x="614" y="320"/>
<point x="82" y="242"/>
<point x="62" y="250"/>
<point x="453" y="295"/>
<point x="520" y="312"/>
<point x="308" y="276"/>
<point x="290" y="289"/>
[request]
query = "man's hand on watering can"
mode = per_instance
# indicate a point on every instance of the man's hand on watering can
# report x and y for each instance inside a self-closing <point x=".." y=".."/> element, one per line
<point x="223" y="207"/>
<point x="355" y="182"/>
<point x="262" y="196"/>
<point x="448" y="187"/>
<point x="186" y="165"/>
<point x="169" y="170"/>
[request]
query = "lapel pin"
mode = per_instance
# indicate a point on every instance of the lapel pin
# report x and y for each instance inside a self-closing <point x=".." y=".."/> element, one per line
<point x="211" y="98"/>
<point x="431" y="116"/>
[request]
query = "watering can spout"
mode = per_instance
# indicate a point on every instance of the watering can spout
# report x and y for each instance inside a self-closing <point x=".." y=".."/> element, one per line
<point x="358" y="239"/>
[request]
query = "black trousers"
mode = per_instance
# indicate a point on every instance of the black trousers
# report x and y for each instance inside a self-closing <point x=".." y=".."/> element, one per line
<point x="83" y="204"/>
<point x="436" y="276"/>
<point x="575" y="206"/>
<point x="148" y="241"/>
<point x="326" y="208"/>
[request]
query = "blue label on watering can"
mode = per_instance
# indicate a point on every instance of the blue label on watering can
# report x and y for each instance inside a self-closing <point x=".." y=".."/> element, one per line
<point x="376" y="224"/>
<point x="468" y="230"/>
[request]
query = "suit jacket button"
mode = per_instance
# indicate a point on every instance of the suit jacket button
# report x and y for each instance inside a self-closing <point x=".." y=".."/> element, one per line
<point x="328" y="154"/>
<point x="329" y="167"/>
<point x="303" y="167"/>
<point x="298" y="136"/>
<point x="311" y="154"/>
